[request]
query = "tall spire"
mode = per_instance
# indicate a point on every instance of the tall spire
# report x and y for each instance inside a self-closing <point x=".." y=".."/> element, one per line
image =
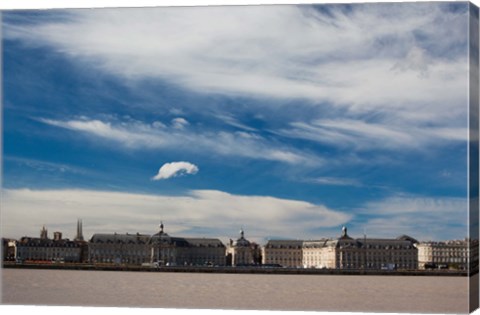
<point x="79" y="236"/>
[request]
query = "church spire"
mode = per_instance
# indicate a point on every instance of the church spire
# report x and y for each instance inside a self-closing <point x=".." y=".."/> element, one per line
<point x="79" y="236"/>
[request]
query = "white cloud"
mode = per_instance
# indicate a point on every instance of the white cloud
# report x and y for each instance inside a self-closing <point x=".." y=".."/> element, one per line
<point x="135" y="134"/>
<point x="174" y="169"/>
<point x="388" y="134"/>
<point x="335" y="181"/>
<point x="405" y="64"/>
<point x="179" y="123"/>
<point x="218" y="214"/>
<point x="372" y="57"/>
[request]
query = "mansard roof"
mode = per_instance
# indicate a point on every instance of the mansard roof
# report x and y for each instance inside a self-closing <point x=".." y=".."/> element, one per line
<point x="45" y="242"/>
<point x="284" y="244"/>
<point x="316" y="243"/>
<point x="116" y="238"/>
<point x="374" y="243"/>
<point x="204" y="242"/>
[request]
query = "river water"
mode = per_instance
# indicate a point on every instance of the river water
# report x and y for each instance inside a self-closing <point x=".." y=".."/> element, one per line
<point x="398" y="294"/>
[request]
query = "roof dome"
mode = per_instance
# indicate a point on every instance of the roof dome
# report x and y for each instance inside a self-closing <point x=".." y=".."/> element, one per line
<point x="160" y="237"/>
<point x="242" y="242"/>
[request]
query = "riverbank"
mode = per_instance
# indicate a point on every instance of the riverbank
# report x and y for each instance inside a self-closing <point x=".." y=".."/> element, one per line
<point x="235" y="270"/>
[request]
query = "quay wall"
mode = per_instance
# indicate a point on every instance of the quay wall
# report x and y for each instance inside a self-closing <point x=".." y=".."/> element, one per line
<point x="238" y="270"/>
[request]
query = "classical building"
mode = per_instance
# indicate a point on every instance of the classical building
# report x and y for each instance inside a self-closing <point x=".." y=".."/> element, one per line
<point x="286" y="253"/>
<point x="160" y="248"/>
<point x="361" y="253"/>
<point x="316" y="254"/>
<point x="9" y="249"/>
<point x="453" y="254"/>
<point x="43" y="248"/>
<point x="119" y="248"/>
<point x="167" y="250"/>
<point x="242" y="252"/>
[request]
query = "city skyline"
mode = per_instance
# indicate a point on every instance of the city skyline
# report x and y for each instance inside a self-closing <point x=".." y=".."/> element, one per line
<point x="142" y="115"/>
<point x="44" y="231"/>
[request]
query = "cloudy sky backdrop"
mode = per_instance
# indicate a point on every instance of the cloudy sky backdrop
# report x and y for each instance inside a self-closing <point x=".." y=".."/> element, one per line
<point x="288" y="121"/>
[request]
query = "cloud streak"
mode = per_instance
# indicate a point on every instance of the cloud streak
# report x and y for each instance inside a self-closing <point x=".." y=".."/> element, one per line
<point x="174" y="169"/>
<point x="156" y="136"/>
<point x="426" y="218"/>
<point x="389" y="134"/>
<point x="404" y="64"/>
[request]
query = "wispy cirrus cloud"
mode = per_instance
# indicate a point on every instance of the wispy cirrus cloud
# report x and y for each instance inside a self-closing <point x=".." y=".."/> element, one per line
<point x="362" y="57"/>
<point x="422" y="217"/>
<point x="388" y="134"/>
<point x="44" y="166"/>
<point x="139" y="135"/>
<point x="335" y="181"/>
<point x="405" y="64"/>
<point x="219" y="213"/>
<point x="173" y="169"/>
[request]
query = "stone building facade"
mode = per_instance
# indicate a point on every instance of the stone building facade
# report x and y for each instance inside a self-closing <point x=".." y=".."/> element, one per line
<point x="119" y="248"/>
<point x="9" y="249"/>
<point x="286" y="253"/>
<point x="174" y="251"/>
<point x="160" y="249"/>
<point x="316" y="254"/>
<point x="348" y="253"/>
<point x="242" y="252"/>
<point x="454" y="254"/>
<point x="44" y="249"/>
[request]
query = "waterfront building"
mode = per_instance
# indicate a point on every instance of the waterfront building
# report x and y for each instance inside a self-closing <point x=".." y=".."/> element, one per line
<point x="167" y="250"/>
<point x="160" y="249"/>
<point x="119" y="248"/>
<point x="287" y="253"/>
<point x="453" y="254"/>
<point x="241" y="252"/>
<point x="346" y="252"/>
<point x="45" y="249"/>
<point x="316" y="254"/>
<point x="9" y="249"/>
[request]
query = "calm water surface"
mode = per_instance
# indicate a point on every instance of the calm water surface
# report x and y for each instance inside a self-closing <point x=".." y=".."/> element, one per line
<point x="236" y="291"/>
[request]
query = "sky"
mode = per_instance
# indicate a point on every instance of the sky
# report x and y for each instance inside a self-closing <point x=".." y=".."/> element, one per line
<point x="286" y="121"/>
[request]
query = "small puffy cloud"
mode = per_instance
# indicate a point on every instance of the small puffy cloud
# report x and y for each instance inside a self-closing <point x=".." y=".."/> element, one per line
<point x="179" y="123"/>
<point x="174" y="169"/>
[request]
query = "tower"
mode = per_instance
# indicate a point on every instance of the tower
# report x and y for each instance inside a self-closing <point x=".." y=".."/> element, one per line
<point x="79" y="236"/>
<point x="44" y="233"/>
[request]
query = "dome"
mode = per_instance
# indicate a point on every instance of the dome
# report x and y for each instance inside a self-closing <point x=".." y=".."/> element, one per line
<point x="242" y="242"/>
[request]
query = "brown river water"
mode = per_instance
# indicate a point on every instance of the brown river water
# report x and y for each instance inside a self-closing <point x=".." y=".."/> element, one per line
<point x="385" y="294"/>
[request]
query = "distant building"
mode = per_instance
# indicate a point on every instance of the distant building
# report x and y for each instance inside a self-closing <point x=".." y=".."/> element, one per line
<point x="119" y="248"/>
<point x="361" y="253"/>
<point x="287" y="253"/>
<point x="241" y="252"/>
<point x="9" y="249"/>
<point x="316" y="254"/>
<point x="43" y="248"/>
<point x="160" y="248"/>
<point x="452" y="254"/>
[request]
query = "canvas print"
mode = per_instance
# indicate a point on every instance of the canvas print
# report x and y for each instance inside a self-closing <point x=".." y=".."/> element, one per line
<point x="310" y="157"/>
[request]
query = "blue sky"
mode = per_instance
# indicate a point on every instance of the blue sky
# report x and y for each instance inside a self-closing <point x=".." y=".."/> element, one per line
<point x="288" y="121"/>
